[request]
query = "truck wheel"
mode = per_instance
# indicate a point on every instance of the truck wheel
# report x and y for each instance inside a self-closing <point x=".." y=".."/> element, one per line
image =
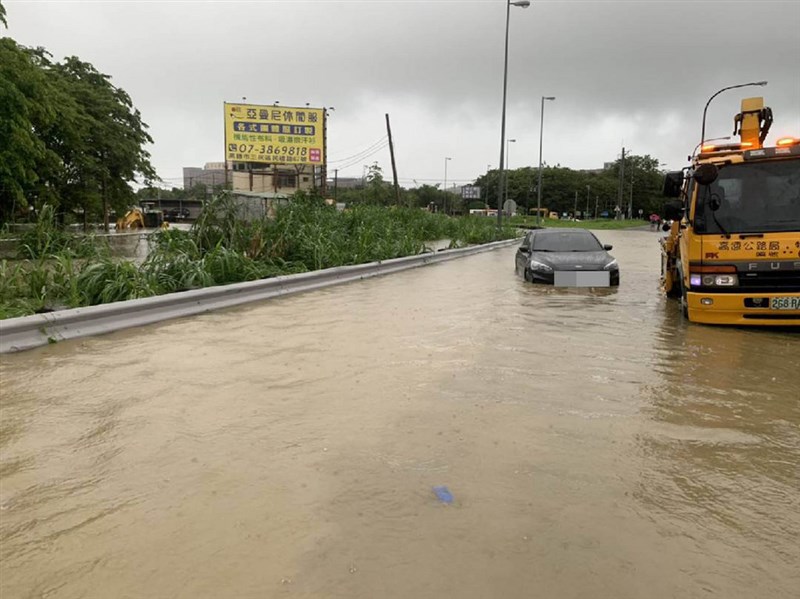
<point x="684" y="301"/>
<point x="675" y="290"/>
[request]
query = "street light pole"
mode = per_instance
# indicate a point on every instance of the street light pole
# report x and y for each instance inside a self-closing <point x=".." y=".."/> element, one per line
<point x="539" y="189"/>
<point x="586" y="216"/>
<point x="508" y="163"/>
<point x="444" y="203"/>
<point x="703" y="131"/>
<point x="521" y="4"/>
<point x="485" y="190"/>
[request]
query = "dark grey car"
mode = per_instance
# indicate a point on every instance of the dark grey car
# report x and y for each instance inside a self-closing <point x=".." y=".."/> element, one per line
<point x="571" y="257"/>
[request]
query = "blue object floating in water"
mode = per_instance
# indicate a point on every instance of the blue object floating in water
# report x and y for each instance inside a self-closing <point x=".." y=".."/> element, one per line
<point x="444" y="495"/>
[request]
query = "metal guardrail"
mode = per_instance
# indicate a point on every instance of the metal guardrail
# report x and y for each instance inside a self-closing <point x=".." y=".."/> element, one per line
<point x="28" y="332"/>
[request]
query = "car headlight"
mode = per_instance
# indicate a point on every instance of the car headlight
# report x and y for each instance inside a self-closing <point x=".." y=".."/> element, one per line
<point x="611" y="265"/>
<point x="540" y="266"/>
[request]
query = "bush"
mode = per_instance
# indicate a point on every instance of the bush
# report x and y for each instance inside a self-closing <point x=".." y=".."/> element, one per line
<point x="223" y="247"/>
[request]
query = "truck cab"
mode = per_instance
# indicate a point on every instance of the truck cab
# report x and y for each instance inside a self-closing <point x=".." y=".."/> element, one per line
<point x="732" y="255"/>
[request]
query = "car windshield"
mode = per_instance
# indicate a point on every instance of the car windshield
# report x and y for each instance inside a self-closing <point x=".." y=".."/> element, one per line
<point x="571" y="241"/>
<point x="752" y="198"/>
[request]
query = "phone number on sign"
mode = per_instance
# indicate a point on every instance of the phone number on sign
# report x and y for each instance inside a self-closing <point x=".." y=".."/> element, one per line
<point x="263" y="149"/>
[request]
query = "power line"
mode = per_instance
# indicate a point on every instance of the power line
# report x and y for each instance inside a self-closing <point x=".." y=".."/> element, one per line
<point x="361" y="158"/>
<point x="364" y="151"/>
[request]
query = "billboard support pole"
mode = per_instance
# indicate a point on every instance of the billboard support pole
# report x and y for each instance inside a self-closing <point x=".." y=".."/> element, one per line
<point x="394" y="167"/>
<point x="324" y="165"/>
<point x="225" y="137"/>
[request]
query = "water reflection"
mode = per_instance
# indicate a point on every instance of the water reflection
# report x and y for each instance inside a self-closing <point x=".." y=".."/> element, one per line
<point x="596" y="446"/>
<point x="721" y="460"/>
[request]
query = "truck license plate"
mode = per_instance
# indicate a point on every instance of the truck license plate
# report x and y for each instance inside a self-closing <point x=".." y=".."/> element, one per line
<point x="785" y="303"/>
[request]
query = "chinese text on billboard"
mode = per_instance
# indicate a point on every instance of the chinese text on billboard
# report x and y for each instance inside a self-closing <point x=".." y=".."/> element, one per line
<point x="274" y="134"/>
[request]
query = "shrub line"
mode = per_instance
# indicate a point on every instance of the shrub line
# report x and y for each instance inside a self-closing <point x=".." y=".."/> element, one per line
<point x="28" y="332"/>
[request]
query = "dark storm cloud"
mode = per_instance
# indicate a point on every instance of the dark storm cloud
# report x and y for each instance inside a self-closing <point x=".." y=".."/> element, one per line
<point x="636" y="72"/>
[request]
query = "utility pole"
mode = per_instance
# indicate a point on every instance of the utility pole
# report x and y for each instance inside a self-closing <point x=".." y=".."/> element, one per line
<point x="586" y="216"/>
<point x="596" y="200"/>
<point x="575" y="209"/>
<point x="394" y="168"/>
<point x="530" y="191"/>
<point x="630" y="200"/>
<point x="621" y="180"/>
<point x="335" y="182"/>
<point x="444" y="187"/>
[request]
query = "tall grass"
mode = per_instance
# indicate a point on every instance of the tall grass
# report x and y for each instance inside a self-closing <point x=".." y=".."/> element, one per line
<point x="223" y="246"/>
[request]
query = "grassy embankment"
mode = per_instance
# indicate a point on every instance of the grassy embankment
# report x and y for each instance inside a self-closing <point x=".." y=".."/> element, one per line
<point x="602" y="223"/>
<point x="57" y="270"/>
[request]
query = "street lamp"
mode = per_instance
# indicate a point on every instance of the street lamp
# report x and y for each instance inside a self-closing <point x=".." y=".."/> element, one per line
<point x="539" y="190"/>
<point x="444" y="202"/>
<point x="521" y="4"/>
<point x="508" y="161"/>
<point x="703" y="132"/>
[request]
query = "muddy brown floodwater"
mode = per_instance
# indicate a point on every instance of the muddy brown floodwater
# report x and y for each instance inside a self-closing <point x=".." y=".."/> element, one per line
<point x="595" y="446"/>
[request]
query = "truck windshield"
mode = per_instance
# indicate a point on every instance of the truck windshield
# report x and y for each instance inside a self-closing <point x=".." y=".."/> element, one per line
<point x="752" y="198"/>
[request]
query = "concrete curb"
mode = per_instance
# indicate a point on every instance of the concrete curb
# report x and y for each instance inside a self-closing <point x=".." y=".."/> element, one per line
<point x="28" y="332"/>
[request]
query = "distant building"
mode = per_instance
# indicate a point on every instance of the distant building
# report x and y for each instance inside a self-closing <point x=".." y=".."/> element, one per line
<point x="252" y="177"/>
<point x="212" y="174"/>
<point x="345" y="183"/>
<point x="594" y="171"/>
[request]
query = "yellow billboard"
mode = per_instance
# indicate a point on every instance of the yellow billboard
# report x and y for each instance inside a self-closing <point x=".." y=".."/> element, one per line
<point x="274" y="134"/>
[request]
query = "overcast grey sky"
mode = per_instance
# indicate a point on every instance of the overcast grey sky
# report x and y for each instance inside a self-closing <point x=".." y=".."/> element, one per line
<point x="634" y="72"/>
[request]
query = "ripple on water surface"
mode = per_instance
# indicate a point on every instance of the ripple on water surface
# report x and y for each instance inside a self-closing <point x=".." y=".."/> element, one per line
<point x="594" y="444"/>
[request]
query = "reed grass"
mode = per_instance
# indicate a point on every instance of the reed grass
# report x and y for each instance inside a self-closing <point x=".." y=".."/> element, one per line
<point x="223" y="246"/>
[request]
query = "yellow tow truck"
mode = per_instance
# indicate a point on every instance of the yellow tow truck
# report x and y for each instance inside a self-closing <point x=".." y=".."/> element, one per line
<point x="732" y="254"/>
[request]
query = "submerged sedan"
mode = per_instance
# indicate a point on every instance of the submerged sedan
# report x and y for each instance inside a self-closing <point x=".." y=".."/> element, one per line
<point x="566" y="257"/>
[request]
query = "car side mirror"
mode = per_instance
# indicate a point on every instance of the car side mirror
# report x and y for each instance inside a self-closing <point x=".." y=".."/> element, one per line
<point x="608" y="247"/>
<point x="524" y="249"/>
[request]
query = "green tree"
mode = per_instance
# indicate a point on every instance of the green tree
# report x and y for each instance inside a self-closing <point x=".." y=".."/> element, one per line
<point x="26" y="109"/>
<point x="377" y="191"/>
<point x="75" y="140"/>
<point x="560" y="186"/>
<point x="643" y="180"/>
<point x="111" y="151"/>
<point x="374" y="190"/>
<point x="3" y="15"/>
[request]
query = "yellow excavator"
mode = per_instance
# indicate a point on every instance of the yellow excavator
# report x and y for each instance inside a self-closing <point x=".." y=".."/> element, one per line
<point x="141" y="218"/>
<point x="133" y="219"/>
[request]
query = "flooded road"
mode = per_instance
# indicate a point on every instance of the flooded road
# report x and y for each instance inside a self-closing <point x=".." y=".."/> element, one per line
<point x="595" y="446"/>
